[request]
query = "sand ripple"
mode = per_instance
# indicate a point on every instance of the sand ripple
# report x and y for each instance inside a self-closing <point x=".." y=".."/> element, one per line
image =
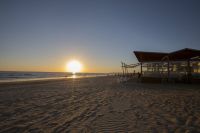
<point x="99" y="105"/>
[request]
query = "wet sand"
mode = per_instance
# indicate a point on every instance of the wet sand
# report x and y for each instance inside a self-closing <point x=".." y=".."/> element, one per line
<point x="98" y="105"/>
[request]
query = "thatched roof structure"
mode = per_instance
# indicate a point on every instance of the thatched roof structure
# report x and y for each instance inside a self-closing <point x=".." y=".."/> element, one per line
<point x="183" y="54"/>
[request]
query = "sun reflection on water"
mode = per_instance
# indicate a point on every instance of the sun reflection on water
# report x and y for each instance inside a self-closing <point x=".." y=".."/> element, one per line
<point x="73" y="76"/>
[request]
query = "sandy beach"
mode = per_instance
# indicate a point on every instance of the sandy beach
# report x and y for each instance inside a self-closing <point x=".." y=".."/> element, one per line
<point x="98" y="105"/>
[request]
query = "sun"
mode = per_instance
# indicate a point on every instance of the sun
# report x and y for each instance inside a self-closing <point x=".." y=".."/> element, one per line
<point x="74" y="66"/>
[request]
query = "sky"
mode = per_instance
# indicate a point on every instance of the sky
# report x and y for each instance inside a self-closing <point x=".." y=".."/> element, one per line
<point x="43" y="35"/>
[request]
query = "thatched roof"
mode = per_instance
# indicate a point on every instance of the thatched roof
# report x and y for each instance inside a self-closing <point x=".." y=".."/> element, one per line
<point x="183" y="54"/>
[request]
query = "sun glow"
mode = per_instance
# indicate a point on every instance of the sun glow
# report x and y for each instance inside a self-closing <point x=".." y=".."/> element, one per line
<point x="74" y="66"/>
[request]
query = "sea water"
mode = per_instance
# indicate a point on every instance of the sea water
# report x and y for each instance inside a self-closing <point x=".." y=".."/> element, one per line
<point x="12" y="76"/>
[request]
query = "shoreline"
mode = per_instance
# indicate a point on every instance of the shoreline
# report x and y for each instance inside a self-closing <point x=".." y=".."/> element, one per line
<point x="48" y="79"/>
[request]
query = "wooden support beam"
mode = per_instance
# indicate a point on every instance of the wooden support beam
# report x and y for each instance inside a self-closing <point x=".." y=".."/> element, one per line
<point x="188" y="71"/>
<point x="168" y="71"/>
<point x="122" y="68"/>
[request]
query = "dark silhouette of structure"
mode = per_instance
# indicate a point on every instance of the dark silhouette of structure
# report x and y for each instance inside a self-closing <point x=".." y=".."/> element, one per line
<point x="178" y="66"/>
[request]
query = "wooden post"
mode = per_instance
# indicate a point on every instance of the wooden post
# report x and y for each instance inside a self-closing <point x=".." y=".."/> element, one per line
<point x="188" y="71"/>
<point x="168" y="70"/>
<point x="141" y="68"/>
<point x="122" y="68"/>
<point x="125" y="69"/>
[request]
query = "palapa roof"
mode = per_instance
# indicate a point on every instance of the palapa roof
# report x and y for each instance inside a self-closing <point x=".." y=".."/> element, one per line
<point x="183" y="54"/>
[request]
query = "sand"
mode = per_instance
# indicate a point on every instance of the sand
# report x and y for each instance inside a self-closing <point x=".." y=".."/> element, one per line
<point x="99" y="105"/>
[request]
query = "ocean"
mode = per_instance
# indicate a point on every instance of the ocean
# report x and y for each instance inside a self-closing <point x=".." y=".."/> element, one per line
<point x="12" y="76"/>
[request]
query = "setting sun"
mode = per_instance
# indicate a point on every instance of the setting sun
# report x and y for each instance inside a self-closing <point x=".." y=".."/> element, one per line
<point x="74" y="66"/>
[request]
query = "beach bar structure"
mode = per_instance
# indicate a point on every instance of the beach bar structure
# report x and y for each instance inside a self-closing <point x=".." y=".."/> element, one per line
<point x="178" y="66"/>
